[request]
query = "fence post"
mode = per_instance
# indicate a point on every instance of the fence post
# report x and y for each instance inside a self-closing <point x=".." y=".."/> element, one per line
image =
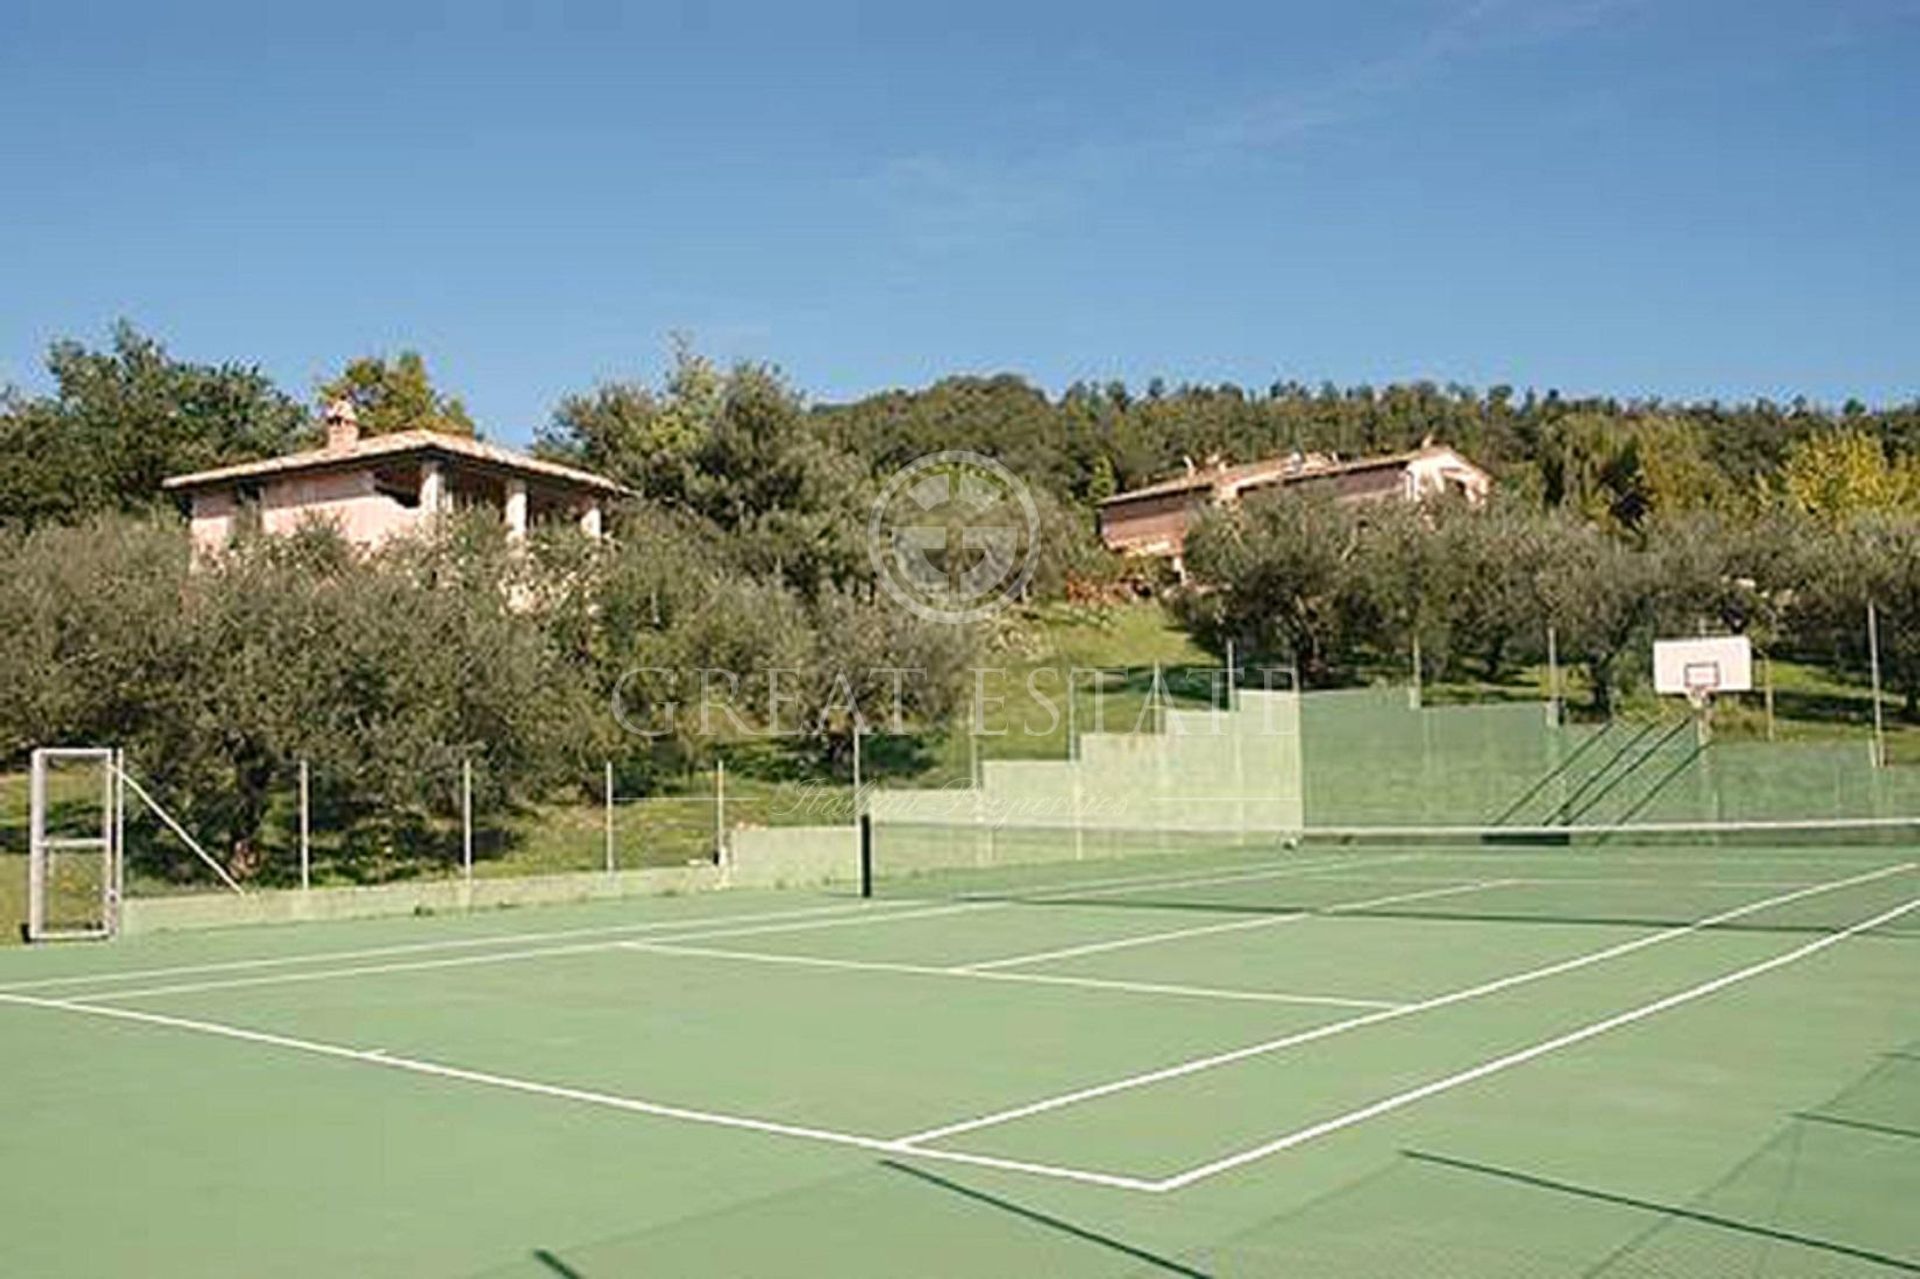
<point x="119" y="839"/>
<point x="1553" y="676"/>
<point x="1873" y="656"/>
<point x="1073" y="736"/>
<point x="719" y="811"/>
<point x="608" y="797"/>
<point x="1766" y="671"/>
<point x="1230" y="675"/>
<point x="466" y="819"/>
<point x="306" y="831"/>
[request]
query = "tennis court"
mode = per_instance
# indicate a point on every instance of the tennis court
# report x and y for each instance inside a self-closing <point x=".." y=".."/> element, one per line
<point x="1378" y="1057"/>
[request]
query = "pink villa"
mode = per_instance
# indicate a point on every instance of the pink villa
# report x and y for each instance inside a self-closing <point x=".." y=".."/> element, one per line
<point x="374" y="488"/>
<point x="1153" y="521"/>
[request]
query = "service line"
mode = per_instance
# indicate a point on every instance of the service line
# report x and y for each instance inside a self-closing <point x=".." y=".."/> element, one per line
<point x="537" y="952"/>
<point x="1331" y="1029"/>
<point x="1387" y="1105"/>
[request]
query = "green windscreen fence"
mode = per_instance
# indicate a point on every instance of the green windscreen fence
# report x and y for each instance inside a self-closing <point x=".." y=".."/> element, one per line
<point x="1356" y="802"/>
<point x="1727" y="879"/>
<point x="1370" y="760"/>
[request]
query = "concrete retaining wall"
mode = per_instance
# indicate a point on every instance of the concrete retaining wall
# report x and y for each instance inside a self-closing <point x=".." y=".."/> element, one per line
<point x="282" y="906"/>
<point x="794" y="856"/>
<point x="771" y="857"/>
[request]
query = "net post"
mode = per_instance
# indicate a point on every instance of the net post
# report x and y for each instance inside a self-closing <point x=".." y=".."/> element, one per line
<point x="856" y="763"/>
<point x="866" y="855"/>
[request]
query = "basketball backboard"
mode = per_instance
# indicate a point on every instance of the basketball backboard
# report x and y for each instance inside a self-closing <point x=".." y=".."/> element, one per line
<point x="1703" y="666"/>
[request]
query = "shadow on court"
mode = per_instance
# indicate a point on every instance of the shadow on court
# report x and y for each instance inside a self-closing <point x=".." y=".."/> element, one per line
<point x="1830" y="1194"/>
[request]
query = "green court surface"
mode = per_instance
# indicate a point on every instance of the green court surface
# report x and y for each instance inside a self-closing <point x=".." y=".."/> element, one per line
<point x="1475" y="1061"/>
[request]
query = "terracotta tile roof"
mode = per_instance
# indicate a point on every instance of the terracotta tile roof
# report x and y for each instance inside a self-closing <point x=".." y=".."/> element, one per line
<point x="1283" y="469"/>
<point x="399" y="444"/>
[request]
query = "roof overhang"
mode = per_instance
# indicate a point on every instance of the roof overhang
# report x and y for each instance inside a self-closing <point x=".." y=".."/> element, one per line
<point x="400" y="447"/>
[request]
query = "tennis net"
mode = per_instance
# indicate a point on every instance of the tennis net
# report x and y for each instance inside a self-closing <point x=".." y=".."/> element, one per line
<point x="1815" y="875"/>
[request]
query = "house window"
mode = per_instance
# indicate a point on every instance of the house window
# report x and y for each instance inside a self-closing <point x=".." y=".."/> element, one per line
<point x="402" y="486"/>
<point x="246" y="508"/>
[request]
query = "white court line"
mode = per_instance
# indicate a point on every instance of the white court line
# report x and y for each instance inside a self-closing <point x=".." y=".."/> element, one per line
<point x="1370" y="1019"/>
<point x="1177" y="934"/>
<point x="541" y="952"/>
<point x="1497" y="1064"/>
<point x="414" y="1065"/>
<point x="921" y="912"/>
<point x="1041" y="979"/>
<point x="1812" y="861"/>
<point x="1124" y="943"/>
<point x="1115" y="888"/>
<point x="1627" y="829"/>
<point x="1548" y="881"/>
<point x="1299" y="864"/>
<point x="1162" y="988"/>
<point x="409" y="948"/>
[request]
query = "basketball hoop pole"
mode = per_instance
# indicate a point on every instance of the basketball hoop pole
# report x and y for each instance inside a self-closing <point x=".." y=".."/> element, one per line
<point x="1701" y="699"/>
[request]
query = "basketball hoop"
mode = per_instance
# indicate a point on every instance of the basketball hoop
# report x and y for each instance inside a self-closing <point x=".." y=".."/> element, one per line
<point x="1702" y="681"/>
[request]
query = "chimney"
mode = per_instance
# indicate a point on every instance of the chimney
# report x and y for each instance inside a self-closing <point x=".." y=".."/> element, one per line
<point x="343" y="425"/>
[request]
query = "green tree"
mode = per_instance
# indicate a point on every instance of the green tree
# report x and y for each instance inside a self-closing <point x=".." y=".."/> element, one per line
<point x="1598" y="594"/>
<point x="735" y="448"/>
<point x="1628" y="469"/>
<point x="1276" y="576"/>
<point x="1405" y="585"/>
<point x="122" y="419"/>
<point x="1838" y="475"/>
<point x="387" y="672"/>
<point x="396" y="395"/>
<point x="1492" y="563"/>
<point x="1874" y="560"/>
<point x="645" y="439"/>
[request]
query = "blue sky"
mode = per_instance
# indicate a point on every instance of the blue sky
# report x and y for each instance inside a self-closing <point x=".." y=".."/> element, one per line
<point x="1596" y="195"/>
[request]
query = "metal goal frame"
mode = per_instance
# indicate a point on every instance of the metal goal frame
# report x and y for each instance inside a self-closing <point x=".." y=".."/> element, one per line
<point x="43" y="848"/>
